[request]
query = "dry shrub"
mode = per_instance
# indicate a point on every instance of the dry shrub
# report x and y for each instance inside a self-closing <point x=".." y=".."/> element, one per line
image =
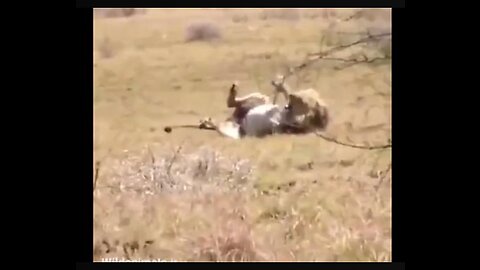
<point x="239" y="18"/>
<point x="105" y="48"/>
<point x="202" y="31"/>
<point x="280" y="14"/>
<point x="234" y="244"/>
<point x="145" y="198"/>
<point x="153" y="172"/>
<point x="202" y="205"/>
<point x="204" y="226"/>
<point x="118" y="12"/>
<point x="230" y="238"/>
<point x="148" y="193"/>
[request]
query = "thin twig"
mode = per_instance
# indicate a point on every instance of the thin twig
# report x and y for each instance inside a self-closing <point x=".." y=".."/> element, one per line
<point x="192" y="126"/>
<point x="369" y="38"/>
<point x="97" y="168"/>
<point x="323" y="56"/>
<point x="351" y="62"/>
<point x="353" y="16"/>
<point x="152" y="159"/>
<point x="363" y="60"/>
<point x="333" y="140"/>
<point x="172" y="160"/>
<point x="385" y="173"/>
<point x="330" y="139"/>
<point x="355" y="61"/>
<point x="313" y="57"/>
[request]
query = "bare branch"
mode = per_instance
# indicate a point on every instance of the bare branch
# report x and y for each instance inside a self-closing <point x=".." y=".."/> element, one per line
<point x="353" y="16"/>
<point x="97" y="168"/>
<point x="369" y="38"/>
<point x="385" y="173"/>
<point x="313" y="57"/>
<point x="330" y="139"/>
<point x="352" y="62"/>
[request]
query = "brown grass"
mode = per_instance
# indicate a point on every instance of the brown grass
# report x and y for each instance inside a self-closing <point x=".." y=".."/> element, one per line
<point x="282" y="198"/>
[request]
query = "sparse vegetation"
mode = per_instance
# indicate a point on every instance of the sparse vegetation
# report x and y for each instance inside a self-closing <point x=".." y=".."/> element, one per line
<point x="105" y="48"/>
<point x="203" y="206"/>
<point x="194" y="196"/>
<point x="202" y="31"/>
<point x="117" y="12"/>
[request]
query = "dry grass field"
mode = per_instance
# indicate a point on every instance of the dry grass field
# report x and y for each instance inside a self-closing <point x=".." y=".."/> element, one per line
<point x="193" y="195"/>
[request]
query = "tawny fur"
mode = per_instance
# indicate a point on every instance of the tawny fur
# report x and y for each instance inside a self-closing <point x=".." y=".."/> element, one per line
<point x="306" y="109"/>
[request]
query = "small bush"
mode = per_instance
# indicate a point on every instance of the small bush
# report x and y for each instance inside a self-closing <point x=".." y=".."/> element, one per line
<point x="118" y="12"/>
<point x="105" y="48"/>
<point x="147" y="173"/>
<point x="232" y="242"/>
<point x="142" y="197"/>
<point x="239" y="18"/>
<point x="204" y="31"/>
